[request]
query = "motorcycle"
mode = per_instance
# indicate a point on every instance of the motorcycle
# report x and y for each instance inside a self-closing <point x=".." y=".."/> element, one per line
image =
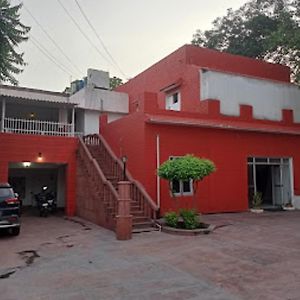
<point x="46" y="202"/>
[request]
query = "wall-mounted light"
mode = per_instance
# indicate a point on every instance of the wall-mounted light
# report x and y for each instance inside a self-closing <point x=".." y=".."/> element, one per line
<point x="26" y="164"/>
<point x="40" y="156"/>
<point x="32" y="115"/>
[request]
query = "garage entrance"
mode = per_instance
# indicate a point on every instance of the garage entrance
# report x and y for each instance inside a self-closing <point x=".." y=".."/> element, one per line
<point x="271" y="177"/>
<point x="28" y="179"/>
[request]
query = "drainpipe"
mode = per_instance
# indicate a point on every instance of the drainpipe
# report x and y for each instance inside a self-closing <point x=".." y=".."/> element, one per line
<point x="3" y="115"/>
<point x="157" y="166"/>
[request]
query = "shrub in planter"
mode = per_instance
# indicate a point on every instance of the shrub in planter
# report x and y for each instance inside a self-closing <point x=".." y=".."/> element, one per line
<point x="171" y="219"/>
<point x="190" y="218"/>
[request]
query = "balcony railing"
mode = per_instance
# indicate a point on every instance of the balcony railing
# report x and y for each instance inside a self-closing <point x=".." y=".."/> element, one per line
<point x="23" y="126"/>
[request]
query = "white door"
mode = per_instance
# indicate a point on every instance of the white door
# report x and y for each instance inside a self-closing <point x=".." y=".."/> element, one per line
<point x="277" y="185"/>
<point x="286" y="180"/>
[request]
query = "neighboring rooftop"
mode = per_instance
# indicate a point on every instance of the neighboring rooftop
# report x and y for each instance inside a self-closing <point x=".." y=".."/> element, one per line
<point x="34" y="94"/>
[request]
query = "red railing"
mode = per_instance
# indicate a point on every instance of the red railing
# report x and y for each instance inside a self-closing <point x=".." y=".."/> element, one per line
<point x="115" y="166"/>
<point x="109" y="195"/>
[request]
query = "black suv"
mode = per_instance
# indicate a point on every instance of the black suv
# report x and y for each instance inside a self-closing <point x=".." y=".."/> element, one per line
<point x="9" y="209"/>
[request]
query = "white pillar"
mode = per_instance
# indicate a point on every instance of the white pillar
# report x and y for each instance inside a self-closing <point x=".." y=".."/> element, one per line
<point x="3" y="114"/>
<point x="73" y="121"/>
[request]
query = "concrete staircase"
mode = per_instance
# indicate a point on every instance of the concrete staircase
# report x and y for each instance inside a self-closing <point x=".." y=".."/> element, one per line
<point x="143" y="209"/>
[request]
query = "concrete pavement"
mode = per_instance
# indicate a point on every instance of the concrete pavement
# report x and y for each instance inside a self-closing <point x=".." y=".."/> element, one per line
<point x="248" y="257"/>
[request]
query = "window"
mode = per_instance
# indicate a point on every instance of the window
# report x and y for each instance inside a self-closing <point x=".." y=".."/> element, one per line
<point x="180" y="187"/>
<point x="173" y="101"/>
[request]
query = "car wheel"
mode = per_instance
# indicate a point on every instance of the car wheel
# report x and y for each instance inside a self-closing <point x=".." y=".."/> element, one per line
<point x="15" y="231"/>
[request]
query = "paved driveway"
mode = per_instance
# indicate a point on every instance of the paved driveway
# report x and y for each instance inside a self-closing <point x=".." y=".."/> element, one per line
<point x="251" y="257"/>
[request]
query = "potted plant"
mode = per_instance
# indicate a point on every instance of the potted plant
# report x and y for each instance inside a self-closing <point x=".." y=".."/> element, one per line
<point x="288" y="206"/>
<point x="256" y="203"/>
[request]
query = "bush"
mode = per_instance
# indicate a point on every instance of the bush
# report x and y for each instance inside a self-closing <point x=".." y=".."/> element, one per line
<point x="171" y="219"/>
<point x="185" y="168"/>
<point x="190" y="218"/>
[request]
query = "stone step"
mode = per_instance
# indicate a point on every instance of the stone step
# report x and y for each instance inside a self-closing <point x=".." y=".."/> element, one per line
<point x="134" y="208"/>
<point x="140" y="220"/>
<point x="144" y="229"/>
<point x="137" y="213"/>
<point x="142" y="224"/>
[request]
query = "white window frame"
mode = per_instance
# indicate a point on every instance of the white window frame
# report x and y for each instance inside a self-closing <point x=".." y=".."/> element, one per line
<point x="170" y="105"/>
<point x="181" y="192"/>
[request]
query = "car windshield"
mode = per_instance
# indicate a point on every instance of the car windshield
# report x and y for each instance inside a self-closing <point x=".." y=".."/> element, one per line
<point x="6" y="193"/>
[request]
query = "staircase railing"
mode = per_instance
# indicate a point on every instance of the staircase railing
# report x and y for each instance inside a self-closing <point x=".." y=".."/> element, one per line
<point x="137" y="191"/>
<point x="110" y="195"/>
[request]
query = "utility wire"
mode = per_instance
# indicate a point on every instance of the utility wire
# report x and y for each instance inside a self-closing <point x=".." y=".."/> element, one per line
<point x="48" y="55"/>
<point x="99" y="38"/>
<point x="82" y="32"/>
<point x="53" y="41"/>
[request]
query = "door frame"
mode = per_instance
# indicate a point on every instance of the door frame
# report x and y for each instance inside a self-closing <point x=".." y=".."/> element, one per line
<point x="273" y="161"/>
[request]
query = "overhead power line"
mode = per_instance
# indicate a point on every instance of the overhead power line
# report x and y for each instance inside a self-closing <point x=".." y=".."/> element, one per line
<point x="48" y="55"/>
<point x="99" y="38"/>
<point x="53" y="41"/>
<point x="82" y="32"/>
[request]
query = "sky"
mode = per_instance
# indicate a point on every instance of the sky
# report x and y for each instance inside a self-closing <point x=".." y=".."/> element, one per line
<point x="135" y="34"/>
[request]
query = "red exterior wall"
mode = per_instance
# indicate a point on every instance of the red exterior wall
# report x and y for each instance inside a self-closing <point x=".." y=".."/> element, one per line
<point x="182" y="67"/>
<point x="18" y="148"/>
<point x="126" y="136"/>
<point x="226" y="189"/>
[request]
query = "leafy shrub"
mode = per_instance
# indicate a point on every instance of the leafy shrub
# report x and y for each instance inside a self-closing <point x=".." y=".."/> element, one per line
<point x="190" y="218"/>
<point x="171" y="219"/>
<point x="186" y="168"/>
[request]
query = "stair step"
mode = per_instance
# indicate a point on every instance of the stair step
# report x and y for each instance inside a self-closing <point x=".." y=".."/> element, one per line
<point x="145" y="229"/>
<point x="134" y="208"/>
<point x="142" y="224"/>
<point x="137" y="213"/>
<point x="140" y="219"/>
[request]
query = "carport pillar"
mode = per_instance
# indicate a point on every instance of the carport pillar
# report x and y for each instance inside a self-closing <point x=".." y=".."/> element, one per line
<point x="124" y="218"/>
<point x="3" y="114"/>
<point x="73" y="121"/>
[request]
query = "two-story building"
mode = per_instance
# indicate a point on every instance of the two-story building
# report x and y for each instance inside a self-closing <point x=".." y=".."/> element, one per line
<point x="242" y="113"/>
<point x="39" y="130"/>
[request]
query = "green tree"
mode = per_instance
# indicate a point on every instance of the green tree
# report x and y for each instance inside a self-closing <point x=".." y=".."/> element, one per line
<point x="115" y="82"/>
<point x="265" y="29"/>
<point x="186" y="168"/>
<point x="12" y="33"/>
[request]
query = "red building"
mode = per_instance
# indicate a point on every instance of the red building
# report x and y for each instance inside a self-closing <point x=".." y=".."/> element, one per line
<point x="243" y="114"/>
<point x="39" y="134"/>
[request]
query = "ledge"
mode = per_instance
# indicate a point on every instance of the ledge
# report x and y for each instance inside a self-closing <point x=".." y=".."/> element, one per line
<point x="188" y="232"/>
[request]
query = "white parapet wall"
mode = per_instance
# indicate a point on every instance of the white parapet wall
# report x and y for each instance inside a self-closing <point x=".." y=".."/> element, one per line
<point x="92" y="102"/>
<point x="101" y="100"/>
<point x="267" y="97"/>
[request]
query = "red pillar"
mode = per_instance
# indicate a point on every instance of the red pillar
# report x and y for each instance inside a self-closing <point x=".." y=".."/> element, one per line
<point x="3" y="171"/>
<point x="124" y="218"/>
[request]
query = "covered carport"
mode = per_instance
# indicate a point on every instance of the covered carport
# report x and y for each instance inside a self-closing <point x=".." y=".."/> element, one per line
<point x="38" y="143"/>
<point x="28" y="178"/>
